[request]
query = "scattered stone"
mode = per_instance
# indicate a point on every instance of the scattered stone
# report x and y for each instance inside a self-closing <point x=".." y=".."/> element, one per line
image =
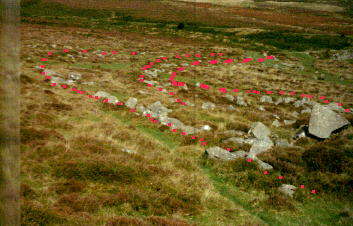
<point x="229" y="97"/>
<point x="241" y="101"/>
<point x="206" y="128"/>
<point x="324" y="121"/>
<point x="231" y="108"/>
<point x="140" y="108"/>
<point x="189" y="130"/>
<point x="306" y="110"/>
<point x="295" y="114"/>
<point x="142" y="92"/>
<point x="88" y="83"/>
<point x="261" y="108"/>
<point x="128" y="151"/>
<point x="289" y="122"/>
<point x="70" y="82"/>
<point x="259" y="130"/>
<point x="263" y="165"/>
<point x="276" y="123"/>
<point x="276" y="116"/>
<point x="150" y="82"/>
<point x="131" y="102"/>
<point x="219" y="153"/>
<point x="301" y="132"/>
<point x="287" y="189"/>
<point x="151" y="73"/>
<point x="158" y="109"/>
<point x="288" y="100"/>
<point x="279" y="101"/>
<point x="111" y="99"/>
<point x="208" y="105"/>
<point x="266" y="99"/>
<point x="57" y="80"/>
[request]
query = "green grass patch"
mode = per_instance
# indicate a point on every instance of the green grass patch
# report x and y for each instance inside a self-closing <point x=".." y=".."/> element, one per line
<point x="299" y="42"/>
<point x="169" y="141"/>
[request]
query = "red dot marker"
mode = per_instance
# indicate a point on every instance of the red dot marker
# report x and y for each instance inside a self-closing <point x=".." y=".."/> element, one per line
<point x="104" y="53"/>
<point x="95" y="97"/>
<point x="313" y="191"/>
<point x="183" y="133"/>
<point x="249" y="160"/>
<point x="169" y="124"/>
<point x="302" y="186"/>
<point x="204" y="143"/>
<point x="44" y="59"/>
<point x="90" y="96"/>
<point x="265" y="172"/>
<point x="66" y="50"/>
<point x="292" y="93"/>
<point x="193" y="137"/>
<point x="84" y="51"/>
<point x="114" y="52"/>
<point x="236" y="90"/>
<point x="280" y="177"/>
<point x="171" y="93"/>
<point x="148" y="115"/>
<point x="54" y="84"/>
<point x="41" y="66"/>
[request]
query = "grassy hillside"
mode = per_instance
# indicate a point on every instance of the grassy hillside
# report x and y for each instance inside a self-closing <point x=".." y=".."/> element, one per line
<point x="74" y="171"/>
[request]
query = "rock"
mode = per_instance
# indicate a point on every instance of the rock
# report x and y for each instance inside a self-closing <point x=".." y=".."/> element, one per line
<point x="140" y="108"/>
<point x="189" y="104"/>
<point x="240" y="154"/>
<point x="263" y="165"/>
<point x="266" y="99"/>
<point x="301" y="132"/>
<point x="176" y="124"/>
<point x="323" y="121"/>
<point x="282" y="143"/>
<point x="128" y="151"/>
<point x="151" y="73"/>
<point x="208" y="105"/>
<point x="111" y="99"/>
<point x="74" y="76"/>
<point x="276" y="123"/>
<point x="289" y="122"/>
<point x="288" y="100"/>
<point x="295" y="114"/>
<point x="287" y="189"/>
<point x="229" y="98"/>
<point x="260" y="146"/>
<point x="206" y="128"/>
<point x="306" y="110"/>
<point x="343" y="55"/>
<point x="131" y="102"/>
<point x="279" y="101"/>
<point x="219" y="153"/>
<point x="304" y="101"/>
<point x="57" y="80"/>
<point x="70" y="82"/>
<point x="261" y="108"/>
<point x="259" y="130"/>
<point x="142" y="92"/>
<point x="150" y="82"/>
<point x="336" y="108"/>
<point x="231" y="108"/>
<point x="158" y="109"/>
<point x="240" y="101"/>
<point x="50" y="72"/>
<point x="189" y="130"/>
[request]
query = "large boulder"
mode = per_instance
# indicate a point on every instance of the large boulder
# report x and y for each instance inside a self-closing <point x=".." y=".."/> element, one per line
<point x="259" y="130"/>
<point x="260" y="145"/>
<point x="324" y="121"/>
